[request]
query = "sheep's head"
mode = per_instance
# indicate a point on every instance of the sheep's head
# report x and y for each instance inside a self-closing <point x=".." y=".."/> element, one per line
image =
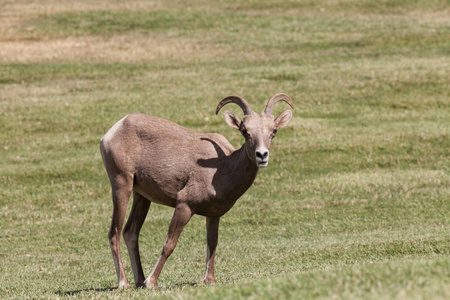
<point x="257" y="129"/>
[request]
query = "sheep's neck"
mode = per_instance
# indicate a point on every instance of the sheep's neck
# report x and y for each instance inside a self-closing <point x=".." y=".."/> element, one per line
<point x="244" y="173"/>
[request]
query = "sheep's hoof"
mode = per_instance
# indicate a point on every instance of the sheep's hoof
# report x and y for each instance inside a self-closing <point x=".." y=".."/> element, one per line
<point x="151" y="284"/>
<point x="209" y="280"/>
<point x="123" y="285"/>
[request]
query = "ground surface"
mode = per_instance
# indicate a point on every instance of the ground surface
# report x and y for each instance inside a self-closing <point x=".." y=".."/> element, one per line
<point x="354" y="203"/>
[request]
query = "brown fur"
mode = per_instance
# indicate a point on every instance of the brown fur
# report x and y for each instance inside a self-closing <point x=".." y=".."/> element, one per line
<point x="196" y="173"/>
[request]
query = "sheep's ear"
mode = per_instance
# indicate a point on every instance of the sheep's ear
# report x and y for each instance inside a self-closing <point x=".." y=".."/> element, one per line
<point x="283" y="119"/>
<point x="232" y="120"/>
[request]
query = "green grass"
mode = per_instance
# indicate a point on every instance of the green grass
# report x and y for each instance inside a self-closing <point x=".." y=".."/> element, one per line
<point x="355" y="202"/>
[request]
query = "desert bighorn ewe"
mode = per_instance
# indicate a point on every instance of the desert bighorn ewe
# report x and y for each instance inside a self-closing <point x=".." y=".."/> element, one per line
<point x="196" y="173"/>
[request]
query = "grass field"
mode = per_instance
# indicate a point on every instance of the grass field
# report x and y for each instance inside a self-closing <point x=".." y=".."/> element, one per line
<point x="355" y="202"/>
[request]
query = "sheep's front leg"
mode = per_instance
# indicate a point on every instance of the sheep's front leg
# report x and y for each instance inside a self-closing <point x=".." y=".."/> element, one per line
<point x="180" y="218"/>
<point x="212" y="234"/>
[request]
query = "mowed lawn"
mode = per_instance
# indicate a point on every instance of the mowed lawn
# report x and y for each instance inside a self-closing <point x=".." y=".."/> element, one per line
<point x="355" y="202"/>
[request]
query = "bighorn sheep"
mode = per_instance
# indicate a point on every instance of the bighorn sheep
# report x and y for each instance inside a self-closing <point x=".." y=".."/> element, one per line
<point x="196" y="173"/>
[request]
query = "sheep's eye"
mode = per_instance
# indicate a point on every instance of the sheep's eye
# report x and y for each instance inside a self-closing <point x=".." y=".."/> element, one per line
<point x="245" y="134"/>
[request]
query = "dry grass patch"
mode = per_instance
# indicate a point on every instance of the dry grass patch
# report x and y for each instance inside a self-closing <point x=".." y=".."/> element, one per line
<point x="40" y="7"/>
<point x="121" y="49"/>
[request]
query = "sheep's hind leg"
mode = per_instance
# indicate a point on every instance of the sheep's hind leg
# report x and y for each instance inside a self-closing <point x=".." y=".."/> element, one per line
<point x="180" y="218"/>
<point x="131" y="231"/>
<point x="121" y="191"/>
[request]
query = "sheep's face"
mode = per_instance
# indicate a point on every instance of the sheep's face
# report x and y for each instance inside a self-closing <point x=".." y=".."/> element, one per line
<point x="258" y="131"/>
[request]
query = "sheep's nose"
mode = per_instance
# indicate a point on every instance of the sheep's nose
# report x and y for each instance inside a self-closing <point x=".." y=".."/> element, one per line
<point x="262" y="154"/>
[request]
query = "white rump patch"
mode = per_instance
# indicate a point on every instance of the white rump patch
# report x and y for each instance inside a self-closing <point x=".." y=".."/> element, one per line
<point x="112" y="131"/>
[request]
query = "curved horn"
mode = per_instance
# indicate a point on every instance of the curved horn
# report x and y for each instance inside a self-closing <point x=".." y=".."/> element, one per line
<point x="236" y="100"/>
<point x="274" y="99"/>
